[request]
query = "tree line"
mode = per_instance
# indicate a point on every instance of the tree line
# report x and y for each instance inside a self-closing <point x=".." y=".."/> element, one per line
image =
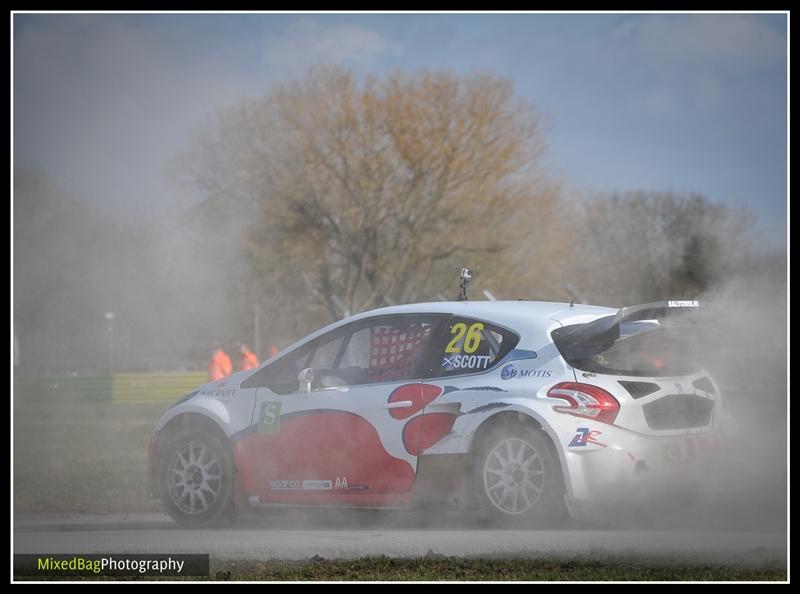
<point x="332" y="193"/>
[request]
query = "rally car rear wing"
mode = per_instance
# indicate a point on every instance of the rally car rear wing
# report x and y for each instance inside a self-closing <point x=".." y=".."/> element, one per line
<point x="592" y="337"/>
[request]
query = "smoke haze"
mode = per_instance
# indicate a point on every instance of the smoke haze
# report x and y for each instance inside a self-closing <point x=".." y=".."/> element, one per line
<point x="184" y="270"/>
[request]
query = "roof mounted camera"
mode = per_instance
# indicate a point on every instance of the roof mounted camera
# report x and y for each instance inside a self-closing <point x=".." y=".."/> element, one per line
<point x="465" y="277"/>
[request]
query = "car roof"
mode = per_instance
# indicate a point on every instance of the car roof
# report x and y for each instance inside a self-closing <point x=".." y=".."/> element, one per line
<point x="530" y="319"/>
<point x="521" y="316"/>
<point x="493" y="308"/>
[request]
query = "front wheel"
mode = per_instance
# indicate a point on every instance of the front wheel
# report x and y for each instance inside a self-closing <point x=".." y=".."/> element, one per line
<point x="196" y="479"/>
<point x="517" y="478"/>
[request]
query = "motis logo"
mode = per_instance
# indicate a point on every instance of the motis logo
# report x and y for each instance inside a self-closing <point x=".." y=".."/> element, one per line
<point x="508" y="372"/>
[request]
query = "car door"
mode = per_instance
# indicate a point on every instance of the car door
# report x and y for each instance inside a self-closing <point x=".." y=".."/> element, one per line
<point x="344" y="438"/>
<point x="462" y="359"/>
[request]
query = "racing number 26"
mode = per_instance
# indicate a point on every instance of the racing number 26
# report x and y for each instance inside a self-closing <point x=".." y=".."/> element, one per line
<point x="472" y="341"/>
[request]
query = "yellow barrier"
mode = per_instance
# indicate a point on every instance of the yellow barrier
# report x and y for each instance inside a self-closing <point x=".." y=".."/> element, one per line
<point x="121" y="387"/>
<point x="154" y="387"/>
<point x="32" y="389"/>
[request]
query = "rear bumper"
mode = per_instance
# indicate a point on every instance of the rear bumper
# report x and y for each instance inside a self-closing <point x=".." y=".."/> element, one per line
<point x="619" y="469"/>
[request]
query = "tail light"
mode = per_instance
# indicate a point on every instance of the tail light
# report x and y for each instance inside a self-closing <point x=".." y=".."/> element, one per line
<point x="585" y="401"/>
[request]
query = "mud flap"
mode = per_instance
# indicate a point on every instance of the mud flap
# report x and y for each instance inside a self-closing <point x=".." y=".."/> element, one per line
<point x="443" y="482"/>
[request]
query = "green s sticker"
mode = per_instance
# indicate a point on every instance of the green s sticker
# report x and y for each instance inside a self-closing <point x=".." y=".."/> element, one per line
<point x="269" y="418"/>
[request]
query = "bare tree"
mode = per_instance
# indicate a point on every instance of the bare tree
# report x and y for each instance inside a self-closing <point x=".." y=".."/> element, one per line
<point x="365" y="192"/>
<point x="643" y="246"/>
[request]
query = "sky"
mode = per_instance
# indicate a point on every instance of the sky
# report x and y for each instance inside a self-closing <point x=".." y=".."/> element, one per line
<point x="682" y="102"/>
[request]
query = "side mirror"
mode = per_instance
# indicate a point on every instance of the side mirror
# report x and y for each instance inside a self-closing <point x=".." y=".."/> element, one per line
<point x="305" y="379"/>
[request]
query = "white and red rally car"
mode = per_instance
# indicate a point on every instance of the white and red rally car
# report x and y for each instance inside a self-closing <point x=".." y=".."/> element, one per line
<point x="523" y="409"/>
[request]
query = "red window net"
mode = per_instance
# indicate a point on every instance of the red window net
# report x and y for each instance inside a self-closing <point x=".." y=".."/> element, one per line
<point x="393" y="352"/>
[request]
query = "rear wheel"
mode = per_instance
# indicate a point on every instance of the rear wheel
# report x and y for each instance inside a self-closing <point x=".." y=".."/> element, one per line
<point x="517" y="478"/>
<point x="196" y="479"/>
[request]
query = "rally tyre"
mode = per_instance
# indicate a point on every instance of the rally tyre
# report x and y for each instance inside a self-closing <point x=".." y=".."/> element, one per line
<point x="517" y="478"/>
<point x="196" y="480"/>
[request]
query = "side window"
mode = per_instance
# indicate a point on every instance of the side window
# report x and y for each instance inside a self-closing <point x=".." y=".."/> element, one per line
<point x="385" y="349"/>
<point x="357" y="352"/>
<point x="324" y="356"/>
<point x="388" y="350"/>
<point x="281" y="376"/>
<point x="466" y="345"/>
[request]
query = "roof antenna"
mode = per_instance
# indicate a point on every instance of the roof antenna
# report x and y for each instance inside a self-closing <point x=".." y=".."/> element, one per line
<point x="465" y="276"/>
<point x="574" y="294"/>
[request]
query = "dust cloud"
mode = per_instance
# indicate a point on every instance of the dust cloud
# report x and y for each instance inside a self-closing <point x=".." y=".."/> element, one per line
<point x="173" y="301"/>
<point x="748" y="489"/>
<point x="178" y="286"/>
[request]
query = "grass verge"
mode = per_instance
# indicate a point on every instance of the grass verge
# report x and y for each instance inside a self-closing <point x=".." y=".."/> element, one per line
<point x="472" y="569"/>
<point x="441" y="568"/>
<point x="82" y="457"/>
